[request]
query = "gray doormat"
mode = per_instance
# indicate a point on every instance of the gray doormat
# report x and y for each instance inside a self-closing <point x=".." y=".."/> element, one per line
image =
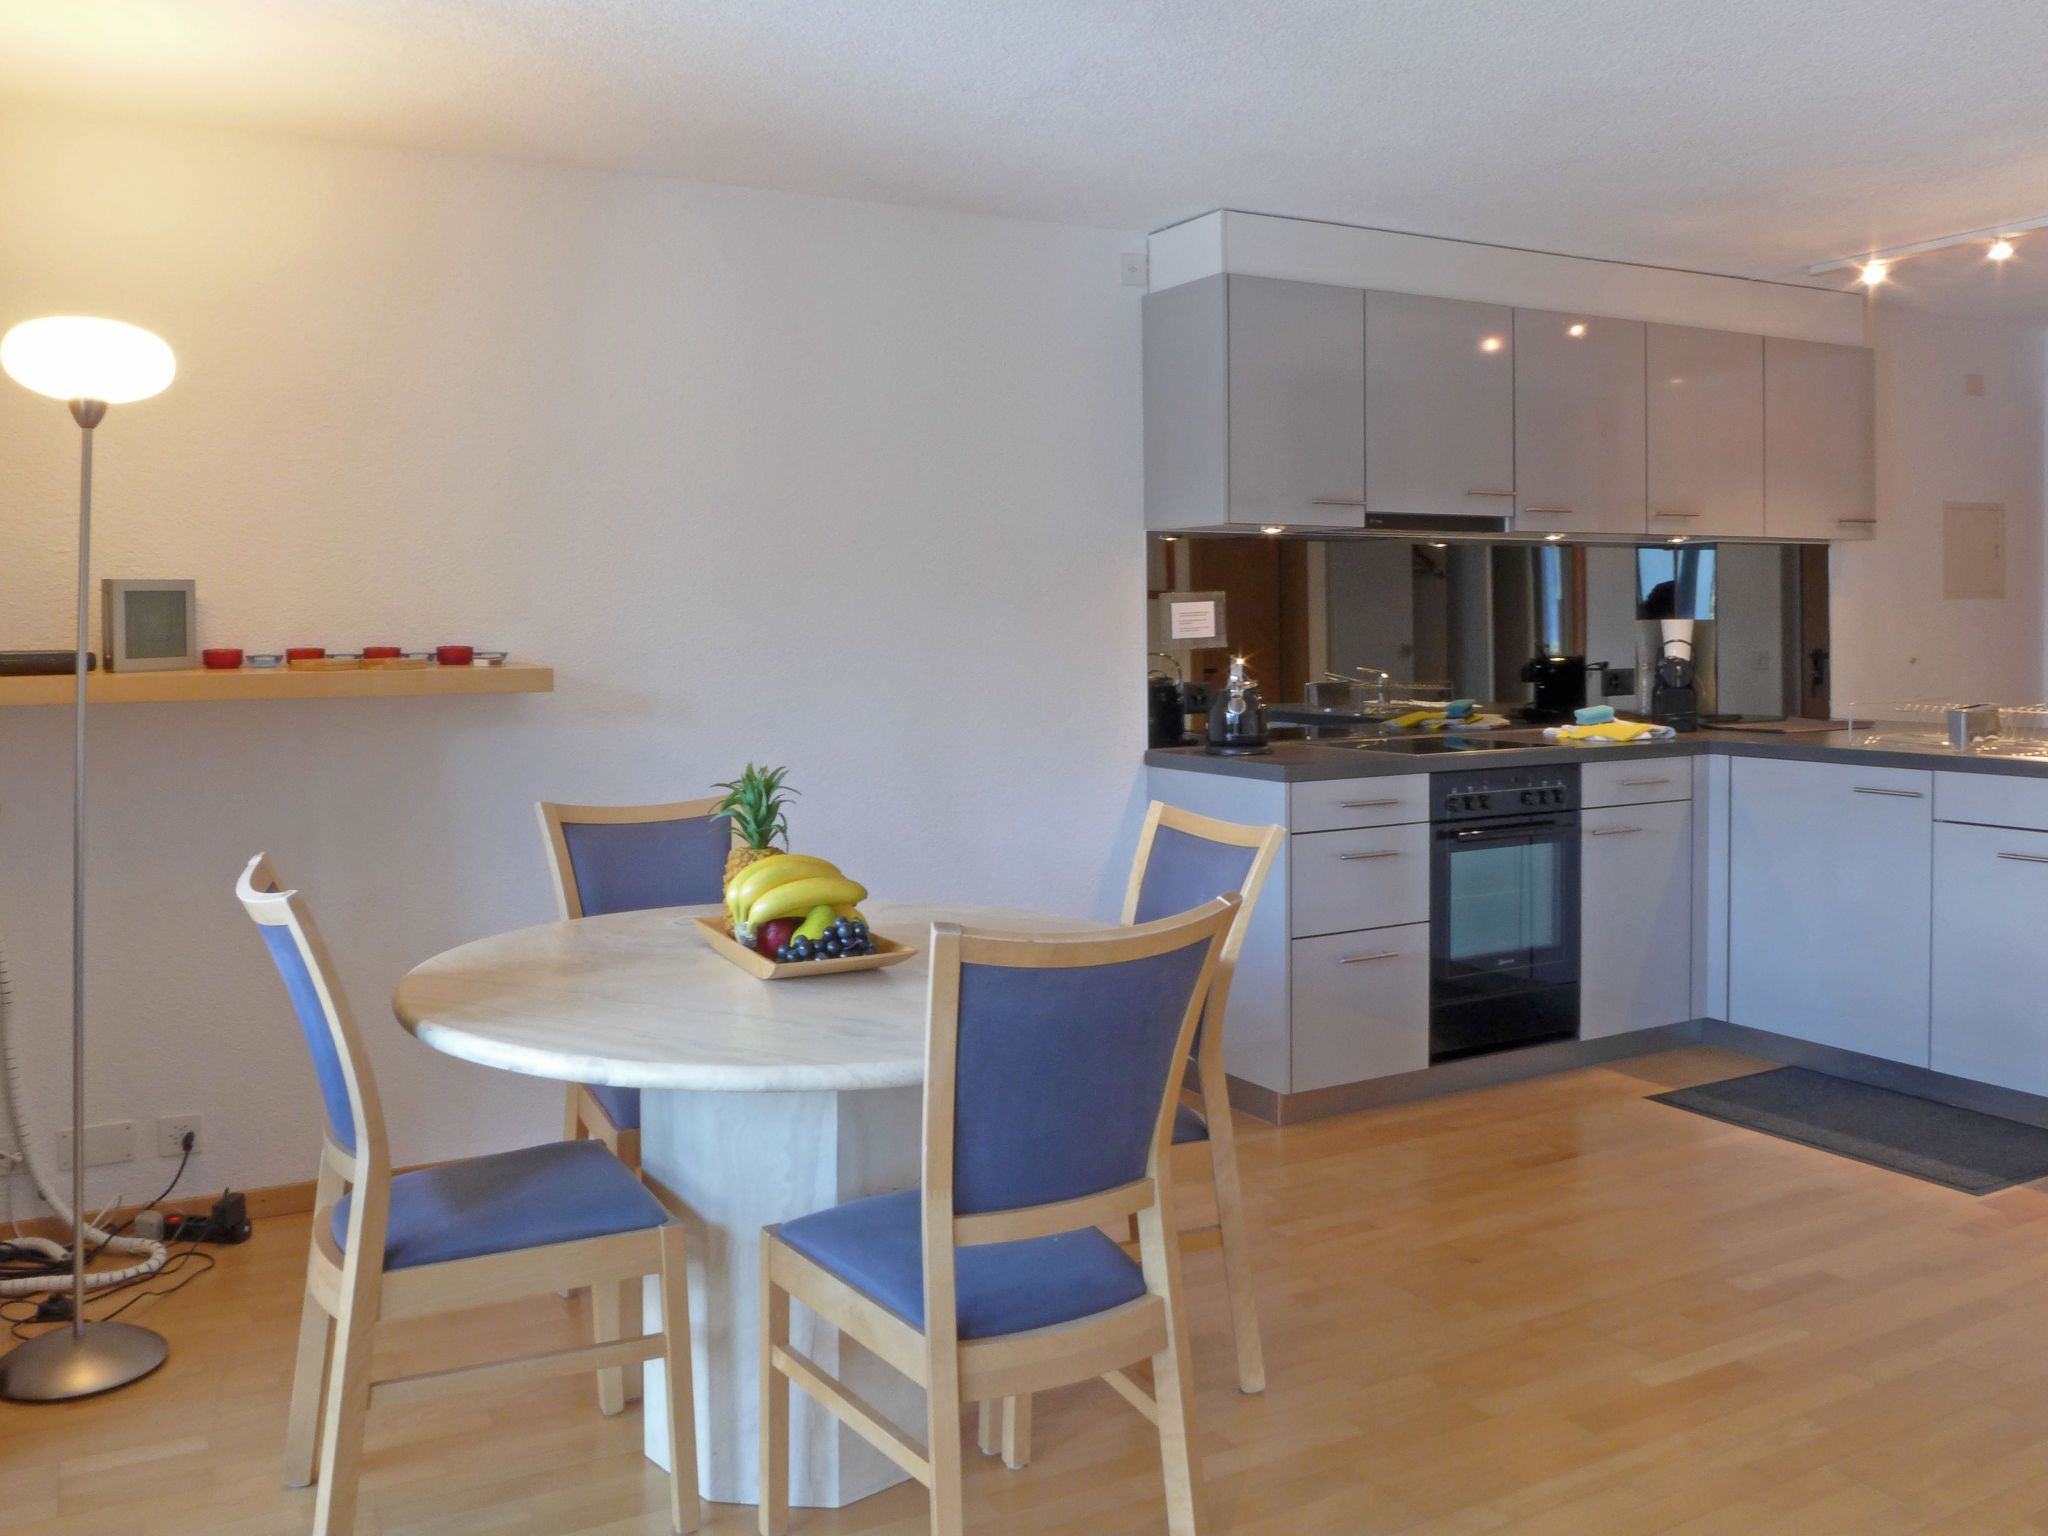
<point x="1966" y="1150"/>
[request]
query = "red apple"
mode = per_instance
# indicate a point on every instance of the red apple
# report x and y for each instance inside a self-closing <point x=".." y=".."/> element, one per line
<point x="774" y="934"/>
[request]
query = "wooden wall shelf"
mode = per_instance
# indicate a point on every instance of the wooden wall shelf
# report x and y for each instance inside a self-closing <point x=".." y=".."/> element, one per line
<point x="278" y="683"/>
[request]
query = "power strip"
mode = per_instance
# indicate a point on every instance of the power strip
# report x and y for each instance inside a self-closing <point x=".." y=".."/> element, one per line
<point x="227" y="1222"/>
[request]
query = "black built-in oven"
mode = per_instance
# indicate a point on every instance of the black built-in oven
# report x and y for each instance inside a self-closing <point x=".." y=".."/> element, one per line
<point x="1504" y="909"/>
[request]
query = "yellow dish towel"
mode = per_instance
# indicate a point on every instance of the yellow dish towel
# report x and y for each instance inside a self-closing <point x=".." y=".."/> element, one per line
<point x="1612" y="730"/>
<point x="1437" y="720"/>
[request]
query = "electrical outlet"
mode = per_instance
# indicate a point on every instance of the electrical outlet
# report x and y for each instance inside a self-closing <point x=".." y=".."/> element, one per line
<point x="113" y="1142"/>
<point x="170" y="1134"/>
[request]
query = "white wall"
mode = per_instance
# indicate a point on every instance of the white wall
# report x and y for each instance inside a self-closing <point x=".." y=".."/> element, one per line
<point x="1894" y="635"/>
<point x="804" y="481"/>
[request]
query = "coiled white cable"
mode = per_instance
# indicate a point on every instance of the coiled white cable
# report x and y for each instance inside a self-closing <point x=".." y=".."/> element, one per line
<point x="154" y="1252"/>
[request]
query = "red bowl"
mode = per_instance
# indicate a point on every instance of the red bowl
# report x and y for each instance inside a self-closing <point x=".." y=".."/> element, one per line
<point x="455" y="655"/>
<point x="379" y="652"/>
<point x="305" y="652"/>
<point x="222" y="660"/>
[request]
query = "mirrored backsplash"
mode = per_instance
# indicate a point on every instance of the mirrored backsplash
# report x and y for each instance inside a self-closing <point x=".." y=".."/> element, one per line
<point x="1501" y="623"/>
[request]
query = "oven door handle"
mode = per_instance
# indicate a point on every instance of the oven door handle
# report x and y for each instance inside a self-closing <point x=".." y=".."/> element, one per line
<point x="1508" y="829"/>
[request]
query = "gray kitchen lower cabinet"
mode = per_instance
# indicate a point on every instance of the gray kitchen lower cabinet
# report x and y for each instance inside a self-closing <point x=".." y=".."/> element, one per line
<point x="1990" y="966"/>
<point x="1635" y="918"/>
<point x="1360" y="1005"/>
<point x="1830" y="904"/>
<point x="1339" y="882"/>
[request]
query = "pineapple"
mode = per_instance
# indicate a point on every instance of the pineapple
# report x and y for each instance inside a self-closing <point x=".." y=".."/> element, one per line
<point x="754" y="801"/>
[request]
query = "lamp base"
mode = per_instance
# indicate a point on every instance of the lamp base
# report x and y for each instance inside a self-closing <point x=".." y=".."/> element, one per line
<point x="57" y="1366"/>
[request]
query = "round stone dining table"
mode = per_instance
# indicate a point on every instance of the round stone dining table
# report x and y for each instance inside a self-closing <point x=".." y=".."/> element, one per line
<point x="759" y="1102"/>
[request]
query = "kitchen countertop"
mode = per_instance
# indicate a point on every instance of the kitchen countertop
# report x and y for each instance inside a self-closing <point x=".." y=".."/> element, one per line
<point x="1303" y="761"/>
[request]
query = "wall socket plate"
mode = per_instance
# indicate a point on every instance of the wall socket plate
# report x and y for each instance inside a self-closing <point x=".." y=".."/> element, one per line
<point x="170" y="1135"/>
<point x="113" y="1142"/>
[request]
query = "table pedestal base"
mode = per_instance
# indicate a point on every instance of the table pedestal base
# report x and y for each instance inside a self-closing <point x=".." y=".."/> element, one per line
<point x="740" y="1162"/>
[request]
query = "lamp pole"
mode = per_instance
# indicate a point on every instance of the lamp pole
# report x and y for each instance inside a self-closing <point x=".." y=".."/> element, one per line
<point x="88" y="414"/>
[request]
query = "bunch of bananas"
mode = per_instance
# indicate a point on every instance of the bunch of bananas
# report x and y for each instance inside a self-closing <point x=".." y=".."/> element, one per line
<point x="786" y="885"/>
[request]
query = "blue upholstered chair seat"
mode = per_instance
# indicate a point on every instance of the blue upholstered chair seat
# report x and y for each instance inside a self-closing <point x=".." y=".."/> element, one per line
<point x="873" y="1245"/>
<point x="1188" y="1125"/>
<point x="560" y="1192"/>
<point x="622" y="1104"/>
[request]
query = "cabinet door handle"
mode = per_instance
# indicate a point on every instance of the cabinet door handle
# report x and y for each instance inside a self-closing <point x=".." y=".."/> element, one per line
<point x="1334" y="501"/>
<point x="1896" y="794"/>
<point x="1385" y="954"/>
<point x="2026" y="858"/>
<point x="1552" y="511"/>
<point x="1382" y="853"/>
<point x="1641" y="783"/>
<point x="1687" y="515"/>
<point x="1489" y="493"/>
<point x="1857" y="522"/>
<point x="1613" y="831"/>
<point x="1365" y="805"/>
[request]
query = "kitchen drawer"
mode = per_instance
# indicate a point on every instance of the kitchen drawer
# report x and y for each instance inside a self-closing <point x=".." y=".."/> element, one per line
<point x="1640" y="781"/>
<point x="1338" y="881"/>
<point x="1328" y="805"/>
<point x="1992" y="800"/>
<point x="1360" y="1005"/>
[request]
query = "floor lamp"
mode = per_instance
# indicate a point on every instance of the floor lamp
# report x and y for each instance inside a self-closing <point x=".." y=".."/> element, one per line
<point x="92" y="364"/>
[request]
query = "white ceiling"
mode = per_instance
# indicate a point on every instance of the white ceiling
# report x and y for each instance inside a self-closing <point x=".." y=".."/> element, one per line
<point x="1742" y="136"/>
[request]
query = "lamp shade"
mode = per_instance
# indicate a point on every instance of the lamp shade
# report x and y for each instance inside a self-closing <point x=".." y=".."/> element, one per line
<point x="74" y="357"/>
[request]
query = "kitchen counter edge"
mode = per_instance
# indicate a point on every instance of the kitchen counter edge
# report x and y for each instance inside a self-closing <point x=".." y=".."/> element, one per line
<point x="1304" y="762"/>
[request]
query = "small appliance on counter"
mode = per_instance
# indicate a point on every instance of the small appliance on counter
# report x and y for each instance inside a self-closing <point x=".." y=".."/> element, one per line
<point x="1559" y="683"/>
<point x="1237" y="718"/>
<point x="1165" y="707"/>
<point x="1674" y="686"/>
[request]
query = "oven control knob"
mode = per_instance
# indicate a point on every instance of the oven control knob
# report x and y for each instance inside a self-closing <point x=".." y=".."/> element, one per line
<point x="1529" y="797"/>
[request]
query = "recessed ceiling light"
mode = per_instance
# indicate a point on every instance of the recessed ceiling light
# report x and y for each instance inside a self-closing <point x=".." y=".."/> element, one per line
<point x="1578" y="329"/>
<point x="2001" y="250"/>
<point x="1491" y="344"/>
<point x="1273" y="528"/>
<point x="1873" y="272"/>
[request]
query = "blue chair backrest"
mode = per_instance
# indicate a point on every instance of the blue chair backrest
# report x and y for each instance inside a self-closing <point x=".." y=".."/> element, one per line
<point x="298" y="981"/>
<point x="1061" y="1073"/>
<point x="628" y="866"/>
<point x="1184" y="871"/>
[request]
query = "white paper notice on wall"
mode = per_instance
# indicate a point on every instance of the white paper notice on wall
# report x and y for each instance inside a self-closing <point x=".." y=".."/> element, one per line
<point x="1192" y="621"/>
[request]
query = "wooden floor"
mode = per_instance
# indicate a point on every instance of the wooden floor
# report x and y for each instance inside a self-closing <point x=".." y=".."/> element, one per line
<point x="1546" y="1308"/>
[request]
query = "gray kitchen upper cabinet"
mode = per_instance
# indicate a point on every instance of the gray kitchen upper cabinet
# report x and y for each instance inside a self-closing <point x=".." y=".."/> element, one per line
<point x="1706" y="431"/>
<point x="1819" y="437"/>
<point x="1990" y="967"/>
<point x="1579" y="424"/>
<point x="1254" y="405"/>
<point x="1830" y="904"/>
<point x="1439" y="406"/>
<point x="1635" y="917"/>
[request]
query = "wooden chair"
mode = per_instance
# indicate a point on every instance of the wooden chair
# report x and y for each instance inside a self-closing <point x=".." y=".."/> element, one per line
<point x="1051" y="1064"/>
<point x="1184" y="860"/>
<point x="626" y="858"/>
<point x="448" y="1237"/>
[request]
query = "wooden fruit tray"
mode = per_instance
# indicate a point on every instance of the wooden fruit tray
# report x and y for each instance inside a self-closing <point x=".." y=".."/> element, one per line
<point x="887" y="952"/>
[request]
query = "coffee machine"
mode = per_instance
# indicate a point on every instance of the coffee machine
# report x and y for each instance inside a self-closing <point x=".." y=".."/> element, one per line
<point x="1559" y="686"/>
<point x="1674" y="686"/>
<point x="1237" y="718"/>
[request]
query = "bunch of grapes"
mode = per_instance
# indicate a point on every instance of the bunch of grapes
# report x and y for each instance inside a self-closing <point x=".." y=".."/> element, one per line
<point x="845" y="937"/>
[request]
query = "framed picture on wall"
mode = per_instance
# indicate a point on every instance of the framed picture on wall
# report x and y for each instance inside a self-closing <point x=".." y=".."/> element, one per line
<point x="149" y="626"/>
